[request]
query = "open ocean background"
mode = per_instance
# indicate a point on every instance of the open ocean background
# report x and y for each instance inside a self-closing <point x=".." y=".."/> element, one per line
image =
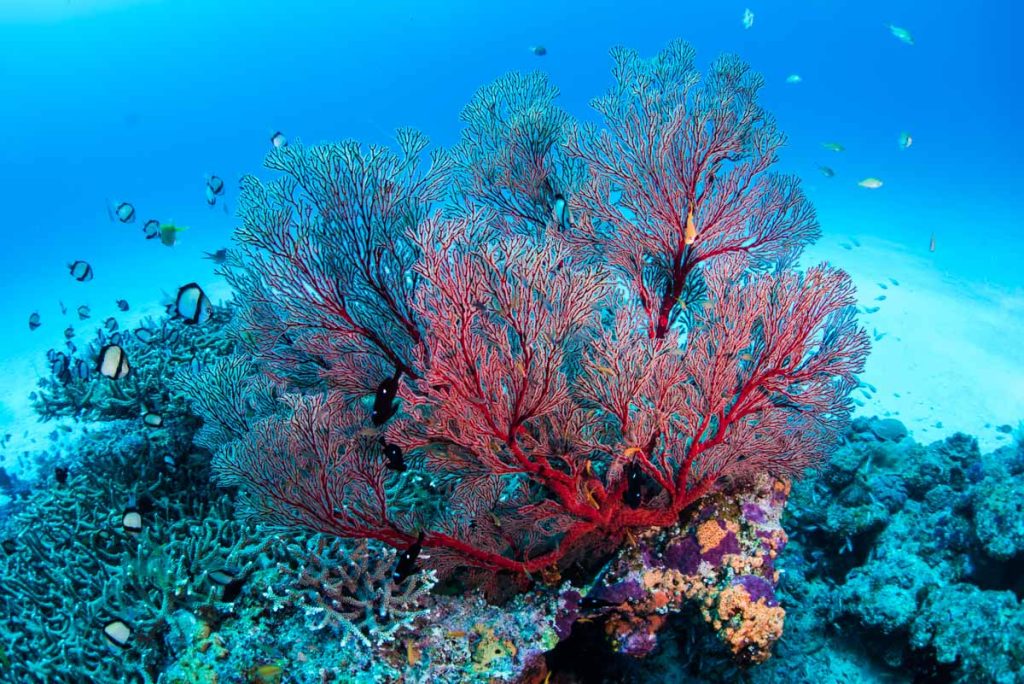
<point x="138" y="100"/>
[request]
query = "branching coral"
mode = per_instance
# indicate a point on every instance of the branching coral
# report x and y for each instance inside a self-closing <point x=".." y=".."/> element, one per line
<point x="566" y="367"/>
<point x="351" y="589"/>
<point x="156" y="350"/>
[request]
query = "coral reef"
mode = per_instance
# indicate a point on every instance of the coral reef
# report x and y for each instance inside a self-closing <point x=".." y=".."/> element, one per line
<point x="156" y="350"/>
<point x="913" y="552"/>
<point x="566" y="333"/>
<point x="719" y="562"/>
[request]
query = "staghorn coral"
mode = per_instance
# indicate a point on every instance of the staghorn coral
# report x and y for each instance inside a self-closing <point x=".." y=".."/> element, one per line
<point x="156" y="350"/>
<point x="70" y="566"/>
<point x="351" y="589"/>
<point x="559" y="385"/>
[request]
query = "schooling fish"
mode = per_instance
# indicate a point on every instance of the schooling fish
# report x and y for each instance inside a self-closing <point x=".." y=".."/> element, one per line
<point x="633" y="494"/>
<point x="218" y="257"/>
<point x="278" y="139"/>
<point x="131" y="519"/>
<point x="60" y="366"/>
<point x="793" y="78"/>
<point x="125" y="212"/>
<point x="110" y="324"/>
<point x="211" y="196"/>
<point x="34" y="320"/>
<point x="833" y="147"/>
<point x="151" y="229"/>
<point x="901" y="33"/>
<point x="69" y="332"/>
<point x="407" y="561"/>
<point x="122" y="304"/>
<point x="231" y="582"/>
<point x="384" y="401"/>
<point x="192" y="305"/>
<point x="931" y="243"/>
<point x="827" y="171"/>
<point x="905" y="140"/>
<point x="748" y="18"/>
<point x="870" y="183"/>
<point x="80" y="271"/>
<point x="539" y="50"/>
<point x="83" y="312"/>
<point x="118" y="633"/>
<point x="396" y="461"/>
<point x="113" y="362"/>
<point x="81" y="371"/>
<point x="215" y="184"/>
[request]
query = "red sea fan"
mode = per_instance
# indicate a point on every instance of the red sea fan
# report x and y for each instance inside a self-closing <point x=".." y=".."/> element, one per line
<point x="597" y="327"/>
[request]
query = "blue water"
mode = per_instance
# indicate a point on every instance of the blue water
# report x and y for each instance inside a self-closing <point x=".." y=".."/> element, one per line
<point x="130" y="100"/>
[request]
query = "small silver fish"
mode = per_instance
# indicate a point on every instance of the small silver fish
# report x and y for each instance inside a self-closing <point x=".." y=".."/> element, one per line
<point x="902" y="34"/>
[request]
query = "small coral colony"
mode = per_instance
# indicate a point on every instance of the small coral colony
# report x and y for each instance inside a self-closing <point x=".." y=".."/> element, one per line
<point x="524" y="368"/>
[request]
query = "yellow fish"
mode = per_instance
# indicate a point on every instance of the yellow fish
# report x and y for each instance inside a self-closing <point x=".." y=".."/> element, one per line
<point x="690" y="235"/>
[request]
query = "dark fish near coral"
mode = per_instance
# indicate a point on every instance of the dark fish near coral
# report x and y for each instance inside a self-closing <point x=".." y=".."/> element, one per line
<point x="69" y="332"/>
<point x="60" y="365"/>
<point x="34" y="320"/>
<point x="216" y="185"/>
<point x="83" y="312"/>
<point x="113" y="362"/>
<point x="152" y="419"/>
<point x="80" y="271"/>
<point x="60" y="474"/>
<point x="231" y="581"/>
<point x="152" y="229"/>
<point x="278" y="139"/>
<point x="125" y="212"/>
<point x="539" y="50"/>
<point x="122" y="304"/>
<point x="633" y="494"/>
<point x="144" y="335"/>
<point x="218" y="257"/>
<point x="192" y="305"/>
<point x="118" y="633"/>
<point x="81" y="371"/>
<point x="396" y="461"/>
<point x="384" y="402"/>
<point x="211" y="197"/>
<point x="131" y="519"/>
<point x="110" y="324"/>
<point x="407" y="561"/>
<point x="63" y="309"/>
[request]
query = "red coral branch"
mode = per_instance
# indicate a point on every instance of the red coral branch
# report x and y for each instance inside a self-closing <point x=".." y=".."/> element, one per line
<point x="560" y="385"/>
